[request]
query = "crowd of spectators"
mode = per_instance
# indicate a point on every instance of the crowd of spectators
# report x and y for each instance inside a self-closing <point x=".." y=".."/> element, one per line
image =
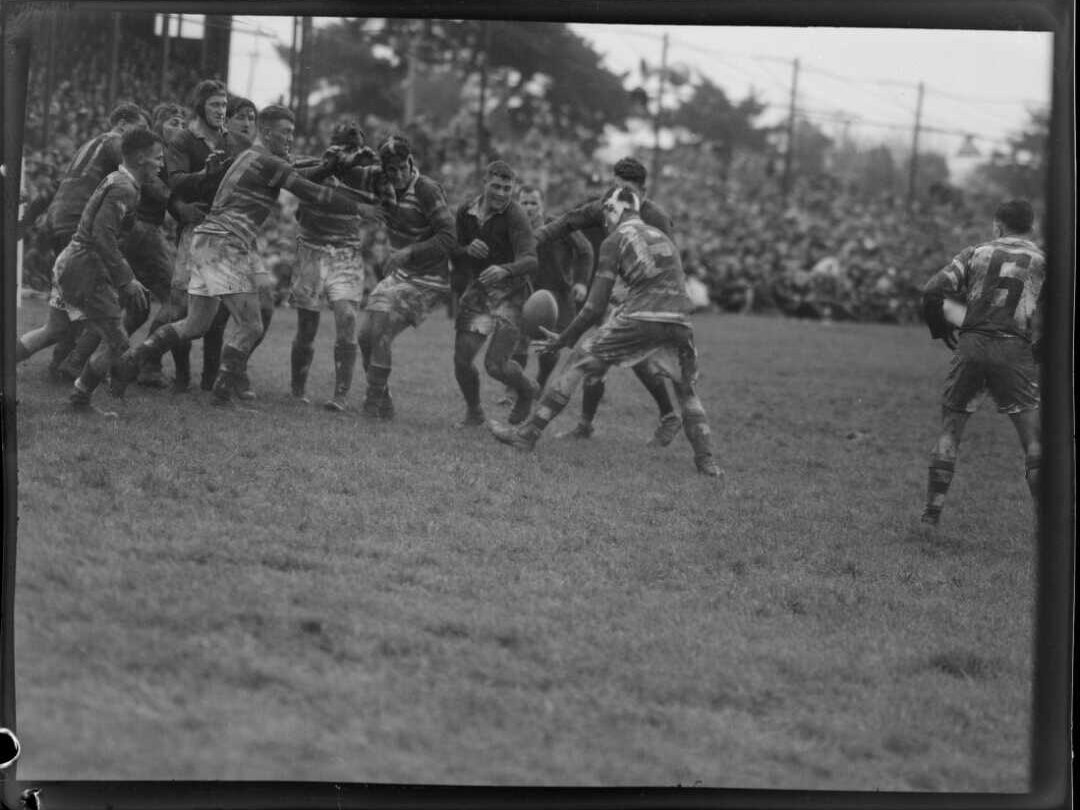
<point x="826" y="250"/>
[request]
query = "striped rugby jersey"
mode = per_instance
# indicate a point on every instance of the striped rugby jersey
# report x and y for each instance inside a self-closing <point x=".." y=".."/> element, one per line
<point x="95" y="159"/>
<point x="1001" y="283"/>
<point x="419" y="221"/>
<point x="320" y="226"/>
<point x="648" y="262"/>
<point x="250" y="188"/>
<point x="108" y="216"/>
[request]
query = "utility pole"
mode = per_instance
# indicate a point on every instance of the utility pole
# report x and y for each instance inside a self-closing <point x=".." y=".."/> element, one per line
<point x="412" y="54"/>
<point x="166" y="19"/>
<point x="294" y="64"/>
<point x="655" y="173"/>
<point x="481" y="139"/>
<point x="789" y="150"/>
<point x="114" y="58"/>
<point x="914" y="168"/>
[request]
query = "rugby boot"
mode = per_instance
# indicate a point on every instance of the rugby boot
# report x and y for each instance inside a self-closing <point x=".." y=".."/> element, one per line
<point x="82" y="393"/>
<point x="378" y="404"/>
<point x="666" y="431"/>
<point x="582" y="430"/>
<point x="523" y="407"/>
<point x="344" y="364"/>
<point x="707" y="466"/>
<point x="520" y="438"/>
<point x="474" y="417"/>
<point x="244" y="391"/>
<point x="300" y="364"/>
<point x="228" y="379"/>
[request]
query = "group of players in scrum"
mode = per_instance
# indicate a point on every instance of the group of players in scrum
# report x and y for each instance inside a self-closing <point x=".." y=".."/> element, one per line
<point x="220" y="174"/>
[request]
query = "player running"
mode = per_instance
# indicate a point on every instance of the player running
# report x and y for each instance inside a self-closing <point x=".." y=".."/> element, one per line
<point x="589" y="218"/>
<point x="224" y="263"/>
<point x="92" y="273"/>
<point x="92" y="163"/>
<point x="495" y="257"/>
<point x="329" y="264"/>
<point x="996" y="347"/>
<point x="421" y="231"/>
<point x="652" y="323"/>
<point x="564" y="267"/>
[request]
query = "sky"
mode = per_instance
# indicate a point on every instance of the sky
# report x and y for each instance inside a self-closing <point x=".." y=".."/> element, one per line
<point x="981" y="83"/>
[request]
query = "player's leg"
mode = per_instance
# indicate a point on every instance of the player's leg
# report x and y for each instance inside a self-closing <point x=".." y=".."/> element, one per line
<point x="112" y="343"/>
<point x="383" y="328"/>
<point x="212" y="342"/>
<point x="55" y="327"/>
<point x="943" y="463"/>
<point x="345" y="351"/>
<point x="152" y="257"/>
<point x="467" y="345"/>
<point x="669" y="424"/>
<point x="694" y="422"/>
<point x="553" y="400"/>
<point x="303" y="351"/>
<point x="1028" y="428"/>
<point x="201" y="311"/>
<point x="500" y="364"/>
<point x="241" y="335"/>
<point x="87" y="343"/>
<point x="265" y="287"/>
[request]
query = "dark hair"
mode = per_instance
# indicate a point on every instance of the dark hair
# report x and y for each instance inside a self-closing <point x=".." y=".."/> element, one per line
<point x="202" y="93"/>
<point x="1016" y="215"/>
<point x="127" y="112"/>
<point x="527" y="189"/>
<point x="137" y="140"/>
<point x="164" y="111"/>
<point x="348" y="134"/>
<point x="238" y="103"/>
<point x="394" y="146"/>
<point x="631" y="170"/>
<point x="275" y="112"/>
<point x="499" y="168"/>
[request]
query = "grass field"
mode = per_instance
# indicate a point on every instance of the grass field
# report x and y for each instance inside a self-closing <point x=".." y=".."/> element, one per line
<point x="299" y="595"/>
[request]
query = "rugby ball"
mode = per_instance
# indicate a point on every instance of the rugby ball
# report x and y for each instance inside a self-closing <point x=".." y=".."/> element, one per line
<point x="540" y="310"/>
<point x="954" y="312"/>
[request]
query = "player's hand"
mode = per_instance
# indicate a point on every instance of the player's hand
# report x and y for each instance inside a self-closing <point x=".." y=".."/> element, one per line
<point x="334" y="159"/>
<point x="579" y="292"/>
<point x="217" y="162"/>
<point x="549" y="343"/>
<point x="190" y="213"/>
<point x="477" y="248"/>
<point x="493" y="275"/>
<point x="371" y="213"/>
<point x="951" y="339"/>
<point x="364" y="156"/>
<point x="136" y="297"/>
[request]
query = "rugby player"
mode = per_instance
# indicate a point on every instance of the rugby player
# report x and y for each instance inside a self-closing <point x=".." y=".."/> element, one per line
<point x="494" y="259"/>
<point x="94" y="160"/>
<point x="652" y="323"/>
<point x="93" y="276"/>
<point x="564" y="267"/>
<point x="589" y="218"/>
<point x="329" y="264"/>
<point x="996" y="347"/>
<point x="224" y="262"/>
<point x="421" y="231"/>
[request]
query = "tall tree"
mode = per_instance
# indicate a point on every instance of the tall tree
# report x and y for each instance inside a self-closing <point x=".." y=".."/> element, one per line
<point x="710" y="114"/>
<point x="1021" y="170"/>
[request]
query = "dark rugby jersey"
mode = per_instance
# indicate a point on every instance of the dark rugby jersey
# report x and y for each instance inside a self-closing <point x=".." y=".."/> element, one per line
<point x="109" y="215"/>
<point x="564" y="262"/>
<point x="647" y="261"/>
<point x="508" y="235"/>
<point x="589" y="219"/>
<point x="185" y="160"/>
<point x="153" y="201"/>
<point x="1001" y="283"/>
<point x="95" y="159"/>
<point x="250" y="188"/>
<point x="419" y="222"/>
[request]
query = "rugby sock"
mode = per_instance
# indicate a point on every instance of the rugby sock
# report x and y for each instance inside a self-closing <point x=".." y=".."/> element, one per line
<point x="654" y="384"/>
<point x="21" y="352"/>
<point x="181" y="355"/>
<point x="591" y="394"/>
<point x="696" y="428"/>
<point x="1033" y="475"/>
<point x="157" y="344"/>
<point x="937" y="487"/>
<point x="85" y="346"/>
<point x="468" y="380"/>
<point x="66" y="344"/>
<point x="344" y="363"/>
<point x="88" y="380"/>
<point x="551" y="405"/>
<point x="378" y="377"/>
<point x="212" y="343"/>
<point x="547" y="365"/>
<point x="301" y="358"/>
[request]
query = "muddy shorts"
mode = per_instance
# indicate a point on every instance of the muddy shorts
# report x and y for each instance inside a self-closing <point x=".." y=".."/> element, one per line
<point x="624" y="341"/>
<point x="480" y="310"/>
<point x="1003" y="367"/>
<point x="335" y="273"/>
<point x="405" y="299"/>
<point x="223" y="265"/>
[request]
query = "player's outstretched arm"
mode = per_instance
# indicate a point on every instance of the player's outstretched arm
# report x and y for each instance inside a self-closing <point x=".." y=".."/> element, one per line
<point x="591" y="214"/>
